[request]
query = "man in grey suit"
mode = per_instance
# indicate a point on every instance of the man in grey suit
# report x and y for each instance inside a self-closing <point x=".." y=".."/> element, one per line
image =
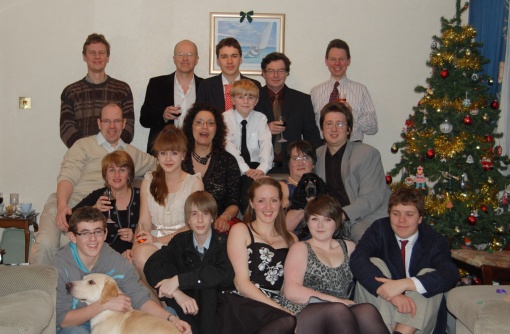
<point x="295" y="106"/>
<point x="169" y="97"/>
<point x="353" y="171"/>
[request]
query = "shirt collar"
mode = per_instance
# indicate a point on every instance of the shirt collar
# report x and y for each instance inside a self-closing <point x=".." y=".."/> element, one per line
<point x="225" y="81"/>
<point x="239" y="118"/>
<point x="101" y="141"/>
<point x="340" y="82"/>
<point x="206" y="244"/>
<point x="412" y="239"/>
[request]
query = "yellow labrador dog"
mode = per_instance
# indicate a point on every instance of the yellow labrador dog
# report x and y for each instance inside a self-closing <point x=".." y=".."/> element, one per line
<point x="102" y="287"/>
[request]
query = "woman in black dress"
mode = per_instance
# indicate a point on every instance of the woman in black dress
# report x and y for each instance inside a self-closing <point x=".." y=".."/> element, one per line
<point x="206" y="132"/>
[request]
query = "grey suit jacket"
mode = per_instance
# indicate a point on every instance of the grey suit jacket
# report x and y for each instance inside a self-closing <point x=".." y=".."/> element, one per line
<point x="364" y="181"/>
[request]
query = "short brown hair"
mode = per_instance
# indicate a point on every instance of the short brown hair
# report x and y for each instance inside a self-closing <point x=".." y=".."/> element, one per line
<point x="96" y="38"/>
<point x="408" y="196"/>
<point x="302" y="146"/>
<point x="229" y="41"/>
<point x="203" y="201"/>
<point x="244" y="87"/>
<point x="338" y="44"/>
<point x="327" y="206"/>
<point x="118" y="159"/>
<point x="337" y="107"/>
<point x="85" y="214"/>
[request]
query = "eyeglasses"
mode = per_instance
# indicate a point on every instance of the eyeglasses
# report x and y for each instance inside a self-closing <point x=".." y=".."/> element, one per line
<point x="304" y="158"/>
<point x="331" y="124"/>
<point x="208" y="124"/>
<point x="279" y="72"/>
<point x="87" y="234"/>
<point x="109" y="121"/>
<point x="187" y="54"/>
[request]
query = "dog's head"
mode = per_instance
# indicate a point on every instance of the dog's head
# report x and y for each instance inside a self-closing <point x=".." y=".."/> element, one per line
<point x="92" y="288"/>
<point x="313" y="185"/>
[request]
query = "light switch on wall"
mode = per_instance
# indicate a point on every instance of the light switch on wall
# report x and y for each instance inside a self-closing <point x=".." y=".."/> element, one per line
<point x="25" y="102"/>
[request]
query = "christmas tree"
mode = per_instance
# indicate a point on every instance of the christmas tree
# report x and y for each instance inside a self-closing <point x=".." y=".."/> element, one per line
<point x="450" y="146"/>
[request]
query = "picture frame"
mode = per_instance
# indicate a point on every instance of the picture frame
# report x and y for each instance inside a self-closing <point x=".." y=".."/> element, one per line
<point x="265" y="34"/>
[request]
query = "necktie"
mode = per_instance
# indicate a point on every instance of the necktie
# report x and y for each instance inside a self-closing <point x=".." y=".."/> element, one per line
<point x="334" y="93"/>
<point x="403" y="251"/>
<point x="244" y="148"/>
<point x="277" y="114"/>
<point x="201" y="255"/>
<point x="228" y="98"/>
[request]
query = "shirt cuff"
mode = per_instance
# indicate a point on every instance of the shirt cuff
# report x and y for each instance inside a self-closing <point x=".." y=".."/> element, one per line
<point x="419" y="287"/>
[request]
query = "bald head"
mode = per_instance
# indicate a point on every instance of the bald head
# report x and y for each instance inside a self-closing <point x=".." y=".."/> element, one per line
<point x="185" y="57"/>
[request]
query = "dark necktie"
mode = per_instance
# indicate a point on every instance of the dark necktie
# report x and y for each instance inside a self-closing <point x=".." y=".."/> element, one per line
<point x="277" y="114"/>
<point x="201" y="255"/>
<point x="403" y="251"/>
<point x="334" y="93"/>
<point x="244" y="148"/>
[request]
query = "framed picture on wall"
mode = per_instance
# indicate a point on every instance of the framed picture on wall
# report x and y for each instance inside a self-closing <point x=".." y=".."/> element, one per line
<point x="265" y="34"/>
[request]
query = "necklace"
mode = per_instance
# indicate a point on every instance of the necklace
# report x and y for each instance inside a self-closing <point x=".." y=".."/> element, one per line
<point x="294" y="181"/>
<point x="201" y="160"/>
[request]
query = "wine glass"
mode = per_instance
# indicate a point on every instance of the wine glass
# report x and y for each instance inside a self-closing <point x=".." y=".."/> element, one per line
<point x="14" y="200"/>
<point x="108" y="193"/>
<point x="284" y="123"/>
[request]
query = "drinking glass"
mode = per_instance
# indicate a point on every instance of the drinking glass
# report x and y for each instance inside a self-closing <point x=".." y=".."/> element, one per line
<point x="108" y="193"/>
<point x="14" y="200"/>
<point x="1" y="198"/>
<point x="284" y="123"/>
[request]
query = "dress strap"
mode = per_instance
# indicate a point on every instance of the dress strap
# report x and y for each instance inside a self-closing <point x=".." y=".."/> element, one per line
<point x="251" y="234"/>
<point x="344" y="247"/>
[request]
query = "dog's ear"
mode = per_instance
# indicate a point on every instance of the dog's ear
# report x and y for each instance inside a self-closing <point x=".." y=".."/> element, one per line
<point x="109" y="292"/>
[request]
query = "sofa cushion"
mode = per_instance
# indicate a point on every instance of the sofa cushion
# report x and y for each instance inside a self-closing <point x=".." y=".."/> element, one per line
<point x="25" y="312"/>
<point x="493" y="317"/>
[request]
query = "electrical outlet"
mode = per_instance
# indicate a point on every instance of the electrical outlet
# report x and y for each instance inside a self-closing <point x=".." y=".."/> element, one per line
<point x="25" y="102"/>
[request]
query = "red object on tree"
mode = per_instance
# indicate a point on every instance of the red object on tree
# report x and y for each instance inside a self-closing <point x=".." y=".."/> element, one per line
<point x="495" y="105"/>
<point x="489" y="138"/>
<point x="389" y="179"/>
<point x="471" y="220"/>
<point x="468" y="120"/>
<point x="498" y="150"/>
<point x="430" y="154"/>
<point x="444" y="73"/>
<point x="484" y="208"/>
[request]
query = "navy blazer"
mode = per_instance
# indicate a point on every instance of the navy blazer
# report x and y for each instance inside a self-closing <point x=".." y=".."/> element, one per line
<point x="211" y="91"/>
<point x="300" y="118"/>
<point x="159" y="95"/>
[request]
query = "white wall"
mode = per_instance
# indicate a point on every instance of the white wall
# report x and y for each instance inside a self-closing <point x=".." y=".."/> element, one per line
<point x="41" y="44"/>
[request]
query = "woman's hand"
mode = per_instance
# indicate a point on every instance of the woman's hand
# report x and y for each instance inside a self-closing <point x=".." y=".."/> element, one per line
<point x="126" y="234"/>
<point x="188" y="304"/>
<point x="182" y="326"/>
<point x="103" y="204"/>
<point x="128" y="255"/>
<point x="221" y="224"/>
<point x="145" y="237"/>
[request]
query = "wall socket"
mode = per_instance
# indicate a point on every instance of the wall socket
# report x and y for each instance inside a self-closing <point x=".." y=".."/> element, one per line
<point x="25" y="102"/>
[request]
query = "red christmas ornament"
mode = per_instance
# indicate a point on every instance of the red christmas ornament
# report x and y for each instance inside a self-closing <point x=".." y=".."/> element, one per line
<point x="471" y="220"/>
<point x="444" y="73"/>
<point x="477" y="280"/>
<point x="389" y="179"/>
<point x="489" y="138"/>
<point x="467" y="241"/>
<point x="430" y="154"/>
<point x="498" y="150"/>
<point x="487" y="163"/>
<point x="494" y="105"/>
<point x="468" y="120"/>
<point x="483" y="207"/>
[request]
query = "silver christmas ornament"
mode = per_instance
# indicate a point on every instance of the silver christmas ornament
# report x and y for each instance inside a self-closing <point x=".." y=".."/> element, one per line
<point x="446" y="127"/>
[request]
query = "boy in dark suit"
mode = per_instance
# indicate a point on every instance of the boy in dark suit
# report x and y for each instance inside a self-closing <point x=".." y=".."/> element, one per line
<point x="404" y="267"/>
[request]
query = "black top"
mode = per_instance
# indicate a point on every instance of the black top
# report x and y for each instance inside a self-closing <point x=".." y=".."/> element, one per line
<point x="222" y="178"/>
<point x="120" y="218"/>
<point x="334" y="176"/>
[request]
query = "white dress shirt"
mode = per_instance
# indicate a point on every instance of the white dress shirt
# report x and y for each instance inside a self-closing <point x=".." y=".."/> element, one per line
<point x="184" y="100"/>
<point x="409" y="251"/>
<point x="108" y="147"/>
<point x="358" y="97"/>
<point x="258" y="139"/>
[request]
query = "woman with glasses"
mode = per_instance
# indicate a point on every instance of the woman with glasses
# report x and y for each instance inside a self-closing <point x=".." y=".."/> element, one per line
<point x="122" y="208"/>
<point x="206" y="133"/>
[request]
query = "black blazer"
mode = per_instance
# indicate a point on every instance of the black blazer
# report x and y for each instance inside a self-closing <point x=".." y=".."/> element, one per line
<point x="300" y="118"/>
<point x="431" y="250"/>
<point x="211" y="91"/>
<point x="201" y="280"/>
<point x="159" y="95"/>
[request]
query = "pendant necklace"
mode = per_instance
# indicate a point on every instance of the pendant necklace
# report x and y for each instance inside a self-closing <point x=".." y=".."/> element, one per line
<point x="201" y="160"/>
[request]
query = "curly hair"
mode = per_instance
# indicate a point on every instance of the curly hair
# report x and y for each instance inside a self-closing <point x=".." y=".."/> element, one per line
<point x="220" y="138"/>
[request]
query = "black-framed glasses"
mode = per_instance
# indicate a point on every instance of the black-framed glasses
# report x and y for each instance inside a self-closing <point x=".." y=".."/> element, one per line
<point x="88" y="234"/>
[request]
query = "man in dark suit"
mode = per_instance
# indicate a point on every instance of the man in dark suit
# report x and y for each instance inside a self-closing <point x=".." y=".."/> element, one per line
<point x="404" y="267"/>
<point x="169" y="97"/>
<point x="216" y="90"/>
<point x="294" y="106"/>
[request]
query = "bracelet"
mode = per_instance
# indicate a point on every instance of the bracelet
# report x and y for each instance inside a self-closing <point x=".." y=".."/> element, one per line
<point x="226" y="213"/>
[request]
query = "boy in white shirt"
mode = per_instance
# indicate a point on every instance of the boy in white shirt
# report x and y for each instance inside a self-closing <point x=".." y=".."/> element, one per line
<point x="255" y="156"/>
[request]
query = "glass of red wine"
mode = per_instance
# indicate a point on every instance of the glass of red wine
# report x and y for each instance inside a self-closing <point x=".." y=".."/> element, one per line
<point x="284" y="123"/>
<point x="108" y="193"/>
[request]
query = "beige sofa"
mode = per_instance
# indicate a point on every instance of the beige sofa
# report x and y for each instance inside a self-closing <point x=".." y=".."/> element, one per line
<point x="27" y="299"/>
<point x="480" y="309"/>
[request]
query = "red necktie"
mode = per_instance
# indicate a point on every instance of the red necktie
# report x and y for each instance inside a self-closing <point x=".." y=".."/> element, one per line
<point x="403" y="251"/>
<point x="228" y="98"/>
<point x="334" y="93"/>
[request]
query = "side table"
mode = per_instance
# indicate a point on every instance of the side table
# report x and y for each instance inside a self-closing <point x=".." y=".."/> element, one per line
<point x="488" y="266"/>
<point x="21" y="223"/>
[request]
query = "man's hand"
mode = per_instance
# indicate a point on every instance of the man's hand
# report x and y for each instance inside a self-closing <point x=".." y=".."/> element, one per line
<point x="121" y="303"/>
<point x="168" y="286"/>
<point x="221" y="224"/>
<point x="128" y="255"/>
<point x="392" y="288"/>
<point x="404" y="304"/>
<point x="254" y="173"/>
<point x="61" y="218"/>
<point x="188" y="304"/>
<point x="171" y="113"/>
<point x="182" y="326"/>
<point x="276" y="127"/>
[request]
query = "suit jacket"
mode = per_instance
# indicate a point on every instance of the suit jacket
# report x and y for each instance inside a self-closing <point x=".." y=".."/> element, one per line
<point x="211" y="91"/>
<point x="300" y="118"/>
<point x="431" y="250"/>
<point x="201" y="280"/>
<point x="363" y="179"/>
<point x="159" y="95"/>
